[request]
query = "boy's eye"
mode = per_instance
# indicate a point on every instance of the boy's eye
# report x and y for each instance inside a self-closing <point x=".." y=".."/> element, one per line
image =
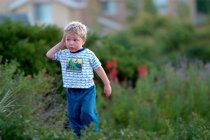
<point x="69" y="39"/>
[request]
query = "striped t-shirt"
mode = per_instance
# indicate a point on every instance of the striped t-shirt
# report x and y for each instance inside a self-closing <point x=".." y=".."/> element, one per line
<point x="77" y="67"/>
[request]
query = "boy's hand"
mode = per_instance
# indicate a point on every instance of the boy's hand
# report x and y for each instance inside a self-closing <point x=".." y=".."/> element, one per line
<point x="50" y="54"/>
<point x="107" y="90"/>
<point x="107" y="87"/>
<point x="63" y="40"/>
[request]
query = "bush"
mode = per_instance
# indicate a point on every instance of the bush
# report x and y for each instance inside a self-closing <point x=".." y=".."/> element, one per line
<point x="153" y="41"/>
<point x="28" y="45"/>
<point x="28" y="107"/>
<point x="165" y="94"/>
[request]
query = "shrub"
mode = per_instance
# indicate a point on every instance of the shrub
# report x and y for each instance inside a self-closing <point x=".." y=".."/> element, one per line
<point x="164" y="94"/>
<point x="28" y="45"/>
<point x="27" y="109"/>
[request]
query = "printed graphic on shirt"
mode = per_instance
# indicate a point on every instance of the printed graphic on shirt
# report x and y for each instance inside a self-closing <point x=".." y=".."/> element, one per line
<point x="74" y="64"/>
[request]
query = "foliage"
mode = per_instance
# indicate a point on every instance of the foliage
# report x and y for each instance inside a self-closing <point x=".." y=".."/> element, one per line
<point x="147" y="38"/>
<point x="28" y="45"/>
<point x="26" y="106"/>
<point x="203" y="6"/>
<point x="18" y="127"/>
<point x="152" y="41"/>
<point x="196" y="128"/>
<point x="200" y="48"/>
<point x="169" y="102"/>
<point x="168" y="93"/>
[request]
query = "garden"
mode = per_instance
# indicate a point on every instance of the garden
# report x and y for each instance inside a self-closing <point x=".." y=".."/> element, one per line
<point x="159" y="70"/>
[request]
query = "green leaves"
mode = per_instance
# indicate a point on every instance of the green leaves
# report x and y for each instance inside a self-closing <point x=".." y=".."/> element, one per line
<point x="6" y="102"/>
<point x="28" y="45"/>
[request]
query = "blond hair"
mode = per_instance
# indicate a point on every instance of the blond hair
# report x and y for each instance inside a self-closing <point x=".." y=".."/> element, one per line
<point x="77" y="28"/>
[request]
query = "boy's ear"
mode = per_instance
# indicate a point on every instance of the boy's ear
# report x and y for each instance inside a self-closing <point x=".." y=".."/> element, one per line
<point x="84" y="40"/>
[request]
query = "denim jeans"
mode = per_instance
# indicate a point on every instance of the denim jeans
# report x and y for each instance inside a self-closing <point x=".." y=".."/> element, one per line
<point x="81" y="108"/>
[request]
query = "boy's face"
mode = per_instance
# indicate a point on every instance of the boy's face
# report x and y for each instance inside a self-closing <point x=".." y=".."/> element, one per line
<point x="74" y="42"/>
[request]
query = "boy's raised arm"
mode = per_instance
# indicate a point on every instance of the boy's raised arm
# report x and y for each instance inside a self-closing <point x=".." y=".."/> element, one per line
<point x="50" y="54"/>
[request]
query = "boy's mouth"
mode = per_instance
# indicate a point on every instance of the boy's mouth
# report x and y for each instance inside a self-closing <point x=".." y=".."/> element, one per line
<point x="71" y="47"/>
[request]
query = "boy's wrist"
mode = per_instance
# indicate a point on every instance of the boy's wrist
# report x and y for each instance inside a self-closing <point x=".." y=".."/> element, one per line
<point x="61" y="45"/>
<point x="107" y="84"/>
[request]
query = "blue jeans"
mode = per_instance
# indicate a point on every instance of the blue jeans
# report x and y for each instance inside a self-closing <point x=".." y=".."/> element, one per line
<point x="81" y="108"/>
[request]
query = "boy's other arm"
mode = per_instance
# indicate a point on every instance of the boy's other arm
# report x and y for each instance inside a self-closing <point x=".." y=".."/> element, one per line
<point x="107" y="88"/>
<point x="50" y="54"/>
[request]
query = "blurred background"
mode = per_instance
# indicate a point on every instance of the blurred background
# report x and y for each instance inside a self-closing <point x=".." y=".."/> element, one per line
<point x="100" y="15"/>
<point x="156" y="54"/>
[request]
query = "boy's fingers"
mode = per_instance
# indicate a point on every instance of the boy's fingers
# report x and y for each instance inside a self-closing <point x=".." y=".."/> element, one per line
<point x="108" y="93"/>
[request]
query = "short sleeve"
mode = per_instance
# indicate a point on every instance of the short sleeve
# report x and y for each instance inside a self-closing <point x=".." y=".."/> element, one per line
<point x="94" y="61"/>
<point x="57" y="55"/>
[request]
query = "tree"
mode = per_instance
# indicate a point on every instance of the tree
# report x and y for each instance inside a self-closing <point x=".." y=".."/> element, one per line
<point x="203" y="6"/>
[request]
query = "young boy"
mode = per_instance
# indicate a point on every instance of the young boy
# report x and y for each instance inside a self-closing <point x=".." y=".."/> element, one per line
<point x="77" y="64"/>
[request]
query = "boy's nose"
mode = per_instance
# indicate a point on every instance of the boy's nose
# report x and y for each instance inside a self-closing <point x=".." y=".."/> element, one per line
<point x="71" y="42"/>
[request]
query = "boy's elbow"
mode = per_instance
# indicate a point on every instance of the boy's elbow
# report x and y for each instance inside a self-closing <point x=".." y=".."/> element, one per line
<point x="49" y="55"/>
